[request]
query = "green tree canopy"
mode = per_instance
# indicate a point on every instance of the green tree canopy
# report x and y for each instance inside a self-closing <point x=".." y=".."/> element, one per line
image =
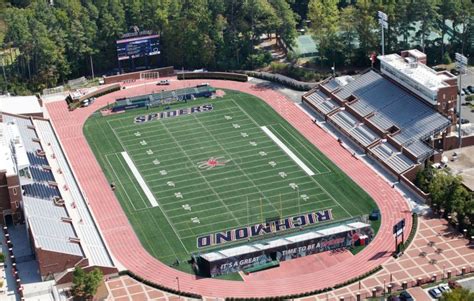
<point x="85" y="285"/>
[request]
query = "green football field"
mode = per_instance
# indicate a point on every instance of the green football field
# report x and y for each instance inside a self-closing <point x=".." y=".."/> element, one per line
<point x="214" y="171"/>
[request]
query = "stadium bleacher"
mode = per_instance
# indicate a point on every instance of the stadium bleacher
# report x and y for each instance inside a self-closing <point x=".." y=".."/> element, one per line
<point x="357" y="130"/>
<point x="387" y="107"/>
<point x="41" y="174"/>
<point x="392" y="157"/>
<point x="46" y="218"/>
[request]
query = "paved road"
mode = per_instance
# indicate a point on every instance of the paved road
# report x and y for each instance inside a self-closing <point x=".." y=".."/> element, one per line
<point x="467" y="80"/>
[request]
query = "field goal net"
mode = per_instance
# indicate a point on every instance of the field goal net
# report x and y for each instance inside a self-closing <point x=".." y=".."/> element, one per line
<point x="149" y="75"/>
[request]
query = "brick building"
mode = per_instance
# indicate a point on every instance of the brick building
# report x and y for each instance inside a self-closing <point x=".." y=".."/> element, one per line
<point x="38" y="189"/>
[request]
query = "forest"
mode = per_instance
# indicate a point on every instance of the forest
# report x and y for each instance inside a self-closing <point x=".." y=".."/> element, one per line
<point x="46" y="42"/>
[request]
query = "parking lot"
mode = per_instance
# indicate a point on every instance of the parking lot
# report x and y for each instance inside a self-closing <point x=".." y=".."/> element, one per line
<point x="467" y="80"/>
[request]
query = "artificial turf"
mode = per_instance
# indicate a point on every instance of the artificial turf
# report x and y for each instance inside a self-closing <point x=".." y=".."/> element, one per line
<point x="196" y="198"/>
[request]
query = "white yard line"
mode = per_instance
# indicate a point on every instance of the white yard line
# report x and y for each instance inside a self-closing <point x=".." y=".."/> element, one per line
<point x="288" y="151"/>
<point x="140" y="180"/>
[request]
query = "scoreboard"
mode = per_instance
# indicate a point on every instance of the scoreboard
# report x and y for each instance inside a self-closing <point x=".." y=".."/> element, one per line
<point x="138" y="47"/>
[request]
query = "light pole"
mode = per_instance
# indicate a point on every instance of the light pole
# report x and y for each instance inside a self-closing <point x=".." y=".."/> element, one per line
<point x="461" y="63"/>
<point x="92" y="65"/>
<point x="4" y="73"/>
<point x="179" y="292"/>
<point x="383" y="21"/>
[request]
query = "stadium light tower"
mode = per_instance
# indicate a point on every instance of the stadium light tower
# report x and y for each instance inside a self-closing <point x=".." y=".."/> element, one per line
<point x="92" y="66"/>
<point x="3" y="68"/>
<point x="461" y="63"/>
<point x="383" y="21"/>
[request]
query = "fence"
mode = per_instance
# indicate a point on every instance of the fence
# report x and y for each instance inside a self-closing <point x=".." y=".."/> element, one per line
<point x="55" y="90"/>
<point x="78" y="82"/>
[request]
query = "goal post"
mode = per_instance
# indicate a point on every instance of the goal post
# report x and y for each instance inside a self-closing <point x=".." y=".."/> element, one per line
<point x="149" y="75"/>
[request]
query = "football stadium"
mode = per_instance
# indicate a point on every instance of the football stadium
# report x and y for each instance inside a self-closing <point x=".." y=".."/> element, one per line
<point x="236" y="150"/>
<point x="193" y="176"/>
<point x="229" y="188"/>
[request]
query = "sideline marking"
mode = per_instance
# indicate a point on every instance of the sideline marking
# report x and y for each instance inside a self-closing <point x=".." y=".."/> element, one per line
<point x="288" y="151"/>
<point x="140" y="180"/>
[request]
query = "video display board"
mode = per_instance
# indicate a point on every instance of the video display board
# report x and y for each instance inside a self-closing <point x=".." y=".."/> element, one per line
<point x="138" y="47"/>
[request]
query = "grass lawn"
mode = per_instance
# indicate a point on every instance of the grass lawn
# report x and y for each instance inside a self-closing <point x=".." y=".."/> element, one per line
<point x="254" y="179"/>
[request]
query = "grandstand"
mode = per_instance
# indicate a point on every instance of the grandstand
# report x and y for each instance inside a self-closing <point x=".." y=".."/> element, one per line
<point x="164" y="97"/>
<point x="392" y="123"/>
<point x="61" y="227"/>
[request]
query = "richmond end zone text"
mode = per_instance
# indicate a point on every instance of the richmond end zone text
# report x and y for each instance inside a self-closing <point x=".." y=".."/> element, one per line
<point x="264" y="228"/>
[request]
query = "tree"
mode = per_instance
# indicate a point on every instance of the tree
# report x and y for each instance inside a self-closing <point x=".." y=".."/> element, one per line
<point x="426" y="13"/>
<point x="404" y="22"/>
<point x="85" y="285"/>
<point x="286" y="21"/>
<point x="424" y="177"/>
<point x="464" y="19"/>
<point x="366" y="28"/>
<point x="447" y="10"/>
<point x="348" y="33"/>
<point x="324" y="16"/>
<point x="458" y="294"/>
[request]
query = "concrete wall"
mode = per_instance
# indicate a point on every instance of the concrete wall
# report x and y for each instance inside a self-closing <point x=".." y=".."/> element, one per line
<point x="53" y="262"/>
<point x="164" y="72"/>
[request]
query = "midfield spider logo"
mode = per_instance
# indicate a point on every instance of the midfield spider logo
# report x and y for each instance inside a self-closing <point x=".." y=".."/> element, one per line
<point x="212" y="162"/>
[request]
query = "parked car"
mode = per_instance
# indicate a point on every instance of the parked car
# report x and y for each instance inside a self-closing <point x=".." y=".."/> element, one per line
<point x="470" y="88"/>
<point x="435" y="292"/>
<point x="453" y="284"/>
<point x="163" y="82"/>
<point x="464" y="121"/>
<point x="466" y="91"/>
<point x="405" y="296"/>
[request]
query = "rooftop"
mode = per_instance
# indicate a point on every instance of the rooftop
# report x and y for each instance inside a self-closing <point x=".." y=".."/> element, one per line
<point x="463" y="165"/>
<point x="20" y="104"/>
<point x="418" y="72"/>
<point x="6" y="161"/>
<point x="271" y="243"/>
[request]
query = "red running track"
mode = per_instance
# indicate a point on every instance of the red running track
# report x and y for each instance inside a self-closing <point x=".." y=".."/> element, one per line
<point x="127" y="250"/>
